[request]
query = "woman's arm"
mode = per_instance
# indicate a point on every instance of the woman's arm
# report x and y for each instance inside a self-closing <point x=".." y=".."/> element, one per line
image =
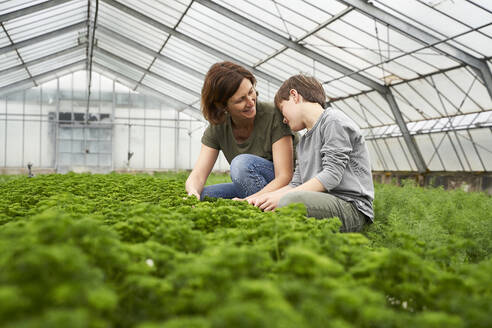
<point x="283" y="153"/>
<point x="201" y="171"/>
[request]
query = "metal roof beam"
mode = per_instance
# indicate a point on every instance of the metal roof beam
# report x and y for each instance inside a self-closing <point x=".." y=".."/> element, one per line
<point x="416" y="33"/>
<point x="148" y="51"/>
<point x="409" y="140"/>
<point x="17" y="86"/>
<point x="190" y="40"/>
<point x="43" y="37"/>
<point x="90" y="53"/>
<point x="16" y="51"/>
<point x="291" y="44"/>
<point x="145" y="71"/>
<point x="31" y="9"/>
<point x="164" y="97"/>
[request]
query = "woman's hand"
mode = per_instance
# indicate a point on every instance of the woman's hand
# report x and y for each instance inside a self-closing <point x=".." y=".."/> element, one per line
<point x="204" y="164"/>
<point x="194" y="193"/>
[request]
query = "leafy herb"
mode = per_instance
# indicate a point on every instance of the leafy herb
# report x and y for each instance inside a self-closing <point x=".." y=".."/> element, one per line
<point x="115" y="250"/>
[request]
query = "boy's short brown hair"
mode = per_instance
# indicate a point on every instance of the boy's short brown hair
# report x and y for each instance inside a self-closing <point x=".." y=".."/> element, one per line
<point x="221" y="82"/>
<point x="308" y="87"/>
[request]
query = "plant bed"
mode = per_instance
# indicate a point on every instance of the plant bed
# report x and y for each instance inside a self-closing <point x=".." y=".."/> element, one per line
<point x="116" y="250"/>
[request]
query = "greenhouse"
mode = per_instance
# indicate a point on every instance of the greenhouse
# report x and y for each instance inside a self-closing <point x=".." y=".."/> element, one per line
<point x="102" y="121"/>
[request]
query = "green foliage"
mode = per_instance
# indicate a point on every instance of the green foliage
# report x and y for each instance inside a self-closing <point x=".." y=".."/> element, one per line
<point x="447" y="227"/>
<point x="82" y="250"/>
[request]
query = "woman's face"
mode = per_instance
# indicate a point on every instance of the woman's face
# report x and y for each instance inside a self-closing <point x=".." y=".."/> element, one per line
<point x="242" y="104"/>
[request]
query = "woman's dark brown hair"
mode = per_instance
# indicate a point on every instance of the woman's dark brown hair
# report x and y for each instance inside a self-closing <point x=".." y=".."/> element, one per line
<point x="221" y="82"/>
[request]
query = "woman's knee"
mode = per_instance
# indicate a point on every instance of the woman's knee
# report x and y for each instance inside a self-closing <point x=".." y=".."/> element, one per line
<point x="207" y="192"/>
<point x="244" y="164"/>
<point x="241" y="163"/>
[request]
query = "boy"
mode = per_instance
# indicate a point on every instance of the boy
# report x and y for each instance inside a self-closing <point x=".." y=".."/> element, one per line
<point x="332" y="177"/>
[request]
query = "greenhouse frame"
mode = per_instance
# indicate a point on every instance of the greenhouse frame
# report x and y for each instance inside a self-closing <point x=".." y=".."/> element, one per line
<point x="114" y="85"/>
<point x="122" y="205"/>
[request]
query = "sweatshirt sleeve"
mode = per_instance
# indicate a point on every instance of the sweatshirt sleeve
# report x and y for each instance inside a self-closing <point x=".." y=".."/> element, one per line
<point x="296" y="178"/>
<point x="335" y="153"/>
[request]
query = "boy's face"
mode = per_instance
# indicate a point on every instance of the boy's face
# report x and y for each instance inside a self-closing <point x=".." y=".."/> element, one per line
<point x="292" y="113"/>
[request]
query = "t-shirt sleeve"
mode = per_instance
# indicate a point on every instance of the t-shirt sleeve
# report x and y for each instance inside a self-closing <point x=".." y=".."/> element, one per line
<point x="335" y="154"/>
<point x="279" y="128"/>
<point x="210" y="138"/>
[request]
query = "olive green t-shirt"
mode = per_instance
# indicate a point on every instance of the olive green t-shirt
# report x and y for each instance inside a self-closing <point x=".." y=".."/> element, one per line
<point x="268" y="128"/>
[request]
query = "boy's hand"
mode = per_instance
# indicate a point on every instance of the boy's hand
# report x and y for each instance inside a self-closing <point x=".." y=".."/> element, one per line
<point x="266" y="202"/>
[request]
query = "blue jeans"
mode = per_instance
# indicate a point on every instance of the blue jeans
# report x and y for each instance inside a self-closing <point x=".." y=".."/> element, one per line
<point x="249" y="174"/>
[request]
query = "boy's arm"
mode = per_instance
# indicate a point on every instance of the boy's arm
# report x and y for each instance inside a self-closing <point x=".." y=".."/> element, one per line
<point x="311" y="185"/>
<point x="335" y="154"/>
<point x="269" y="201"/>
<point x="296" y="177"/>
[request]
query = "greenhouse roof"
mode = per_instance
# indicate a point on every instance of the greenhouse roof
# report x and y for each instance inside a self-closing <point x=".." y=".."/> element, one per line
<point x="414" y="74"/>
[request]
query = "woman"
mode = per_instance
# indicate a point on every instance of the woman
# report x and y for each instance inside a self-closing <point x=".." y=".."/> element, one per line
<point x="254" y="139"/>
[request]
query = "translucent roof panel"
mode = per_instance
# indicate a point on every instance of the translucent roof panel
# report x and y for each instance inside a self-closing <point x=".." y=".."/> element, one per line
<point x="481" y="141"/>
<point x="13" y="77"/>
<point x="362" y="43"/>
<point x="131" y="27"/>
<point x="399" y="157"/>
<point x="13" y="5"/>
<point x="9" y="59"/>
<point x="225" y="35"/>
<point x="287" y="18"/>
<point x="356" y="49"/>
<point x="291" y="62"/>
<point x="390" y="154"/>
<point x="4" y="40"/>
<point x="57" y="62"/>
<point x="179" y="77"/>
<point x="454" y="92"/>
<point x="189" y="55"/>
<point x="123" y="50"/>
<point x="170" y="89"/>
<point x="447" y="19"/>
<point x="121" y="81"/>
<point x="266" y="90"/>
<point x="45" y="77"/>
<point x="368" y="110"/>
<point x="457" y="151"/>
<point x="117" y="66"/>
<point x="167" y="12"/>
<point x="52" y="45"/>
<point x="477" y="156"/>
<point x="47" y="20"/>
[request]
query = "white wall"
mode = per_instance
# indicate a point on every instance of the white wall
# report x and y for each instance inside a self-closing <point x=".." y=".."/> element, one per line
<point x="158" y="133"/>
